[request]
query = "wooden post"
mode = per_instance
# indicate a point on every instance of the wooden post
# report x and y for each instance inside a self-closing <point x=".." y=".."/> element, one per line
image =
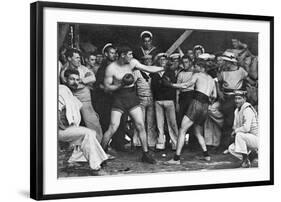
<point x="178" y="42"/>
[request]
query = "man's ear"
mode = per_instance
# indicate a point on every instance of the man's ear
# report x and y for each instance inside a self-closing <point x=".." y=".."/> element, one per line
<point x="68" y="58"/>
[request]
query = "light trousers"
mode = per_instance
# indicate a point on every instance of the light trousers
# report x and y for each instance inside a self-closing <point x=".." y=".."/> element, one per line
<point x="166" y="108"/>
<point x="86" y="138"/>
<point x="91" y="119"/>
<point x="244" y="144"/>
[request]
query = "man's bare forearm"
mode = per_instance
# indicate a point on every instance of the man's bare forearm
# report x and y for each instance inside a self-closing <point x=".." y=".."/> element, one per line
<point x="151" y="69"/>
<point x="156" y="69"/>
<point x="177" y="85"/>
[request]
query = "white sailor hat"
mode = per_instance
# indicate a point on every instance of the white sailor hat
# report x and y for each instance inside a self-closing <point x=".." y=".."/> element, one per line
<point x="106" y="46"/>
<point x="145" y="33"/>
<point x="228" y="56"/>
<point x="206" y="56"/>
<point x="159" y="55"/>
<point x="175" y="56"/>
<point x="240" y="93"/>
<point x="200" y="47"/>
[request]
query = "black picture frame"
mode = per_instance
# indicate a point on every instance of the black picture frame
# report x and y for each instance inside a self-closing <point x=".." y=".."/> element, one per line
<point x="37" y="99"/>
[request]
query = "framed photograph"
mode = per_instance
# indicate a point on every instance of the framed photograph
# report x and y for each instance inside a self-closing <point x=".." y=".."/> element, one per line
<point x="134" y="100"/>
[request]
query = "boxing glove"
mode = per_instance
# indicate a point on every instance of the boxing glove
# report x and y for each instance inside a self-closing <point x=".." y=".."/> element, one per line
<point x="128" y="79"/>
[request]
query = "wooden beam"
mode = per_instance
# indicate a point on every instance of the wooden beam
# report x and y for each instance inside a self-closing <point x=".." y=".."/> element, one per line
<point x="178" y="42"/>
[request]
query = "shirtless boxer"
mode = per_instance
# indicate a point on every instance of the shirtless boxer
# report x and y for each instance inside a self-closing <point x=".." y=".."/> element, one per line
<point x="120" y="81"/>
<point x="197" y="112"/>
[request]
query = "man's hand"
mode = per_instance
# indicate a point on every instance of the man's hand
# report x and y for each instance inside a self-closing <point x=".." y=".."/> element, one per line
<point x="88" y="74"/>
<point x="184" y="86"/>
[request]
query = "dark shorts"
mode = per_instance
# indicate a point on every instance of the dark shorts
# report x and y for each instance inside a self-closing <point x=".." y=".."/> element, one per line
<point x="125" y="100"/>
<point x="198" y="109"/>
<point x="185" y="99"/>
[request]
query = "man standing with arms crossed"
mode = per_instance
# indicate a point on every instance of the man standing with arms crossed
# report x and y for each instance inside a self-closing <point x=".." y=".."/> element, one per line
<point x="204" y="89"/>
<point x="120" y="80"/>
<point x="87" y="78"/>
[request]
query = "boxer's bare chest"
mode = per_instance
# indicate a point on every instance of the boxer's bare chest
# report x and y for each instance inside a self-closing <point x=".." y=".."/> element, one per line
<point x="120" y="71"/>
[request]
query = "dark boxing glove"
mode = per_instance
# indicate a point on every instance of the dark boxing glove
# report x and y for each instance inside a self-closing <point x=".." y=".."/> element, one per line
<point x="128" y="79"/>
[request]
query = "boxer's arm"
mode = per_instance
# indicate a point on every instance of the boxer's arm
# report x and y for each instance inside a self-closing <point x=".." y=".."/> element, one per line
<point x="150" y="69"/>
<point x="108" y="81"/>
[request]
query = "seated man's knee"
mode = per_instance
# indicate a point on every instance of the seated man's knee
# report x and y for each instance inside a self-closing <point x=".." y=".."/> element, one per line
<point x="231" y="148"/>
<point x="239" y="135"/>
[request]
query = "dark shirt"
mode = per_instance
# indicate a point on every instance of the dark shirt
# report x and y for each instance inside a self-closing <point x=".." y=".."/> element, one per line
<point x="98" y="91"/>
<point x="161" y="86"/>
<point x="138" y="53"/>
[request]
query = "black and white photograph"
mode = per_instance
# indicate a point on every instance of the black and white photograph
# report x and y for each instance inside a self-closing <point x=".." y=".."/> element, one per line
<point x="135" y="100"/>
<point x="129" y="100"/>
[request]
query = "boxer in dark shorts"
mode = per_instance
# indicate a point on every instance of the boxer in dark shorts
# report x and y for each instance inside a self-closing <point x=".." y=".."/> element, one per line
<point x="198" y="109"/>
<point x="125" y="100"/>
<point x="197" y="112"/>
<point x="120" y="81"/>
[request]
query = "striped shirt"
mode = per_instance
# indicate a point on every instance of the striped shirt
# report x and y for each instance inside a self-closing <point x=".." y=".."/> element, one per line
<point x="142" y="84"/>
<point x="184" y="77"/>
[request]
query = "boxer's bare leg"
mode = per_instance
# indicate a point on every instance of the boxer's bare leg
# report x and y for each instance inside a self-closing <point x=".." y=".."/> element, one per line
<point x="186" y="123"/>
<point x="113" y="126"/>
<point x="137" y="116"/>
<point x="198" y="133"/>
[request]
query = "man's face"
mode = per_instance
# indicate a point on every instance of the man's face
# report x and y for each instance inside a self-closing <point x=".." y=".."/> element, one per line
<point x="99" y="59"/>
<point x="239" y="101"/>
<point x="220" y="61"/>
<point x="147" y="42"/>
<point x="148" y="61"/>
<point x="128" y="57"/>
<point x="162" y="61"/>
<point x="72" y="81"/>
<point x="175" y="63"/>
<point x="92" y="60"/>
<point x="111" y="54"/>
<point x="74" y="60"/>
<point x="197" y="52"/>
<point x="186" y="63"/>
<point x="190" y="54"/>
<point x="235" y="43"/>
<point x="197" y="68"/>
